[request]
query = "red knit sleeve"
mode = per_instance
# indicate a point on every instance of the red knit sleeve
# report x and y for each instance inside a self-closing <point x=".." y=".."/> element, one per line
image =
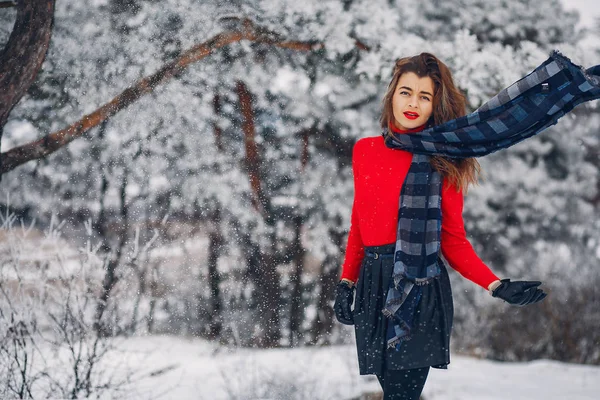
<point x="455" y="246"/>
<point x="354" y="246"/>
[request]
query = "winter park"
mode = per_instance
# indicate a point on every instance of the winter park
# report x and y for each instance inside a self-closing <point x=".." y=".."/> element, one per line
<point x="300" y="200"/>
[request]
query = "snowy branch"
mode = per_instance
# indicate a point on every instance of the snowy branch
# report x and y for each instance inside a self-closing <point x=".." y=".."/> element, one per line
<point x="240" y="30"/>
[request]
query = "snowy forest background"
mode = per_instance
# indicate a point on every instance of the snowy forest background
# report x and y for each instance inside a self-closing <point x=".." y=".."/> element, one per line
<point x="217" y="206"/>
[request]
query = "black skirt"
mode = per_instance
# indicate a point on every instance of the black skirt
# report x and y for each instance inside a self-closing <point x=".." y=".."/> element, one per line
<point x="430" y="342"/>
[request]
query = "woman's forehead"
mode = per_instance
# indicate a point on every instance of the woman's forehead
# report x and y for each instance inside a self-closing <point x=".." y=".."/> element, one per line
<point x="415" y="82"/>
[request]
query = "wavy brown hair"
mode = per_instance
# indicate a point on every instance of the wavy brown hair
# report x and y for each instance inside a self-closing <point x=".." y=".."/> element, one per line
<point x="448" y="103"/>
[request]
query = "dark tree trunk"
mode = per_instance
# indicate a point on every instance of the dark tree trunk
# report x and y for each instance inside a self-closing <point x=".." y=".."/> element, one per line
<point x="110" y="275"/>
<point x="323" y="323"/>
<point x="216" y="242"/>
<point x="214" y="277"/>
<point x="296" y="309"/>
<point x="305" y="154"/>
<point x="263" y="274"/>
<point x="216" y="128"/>
<point x="253" y="161"/>
<point x="270" y="301"/>
<point x="263" y="265"/>
<point x="25" y="52"/>
<point x="23" y="55"/>
<point x="328" y="277"/>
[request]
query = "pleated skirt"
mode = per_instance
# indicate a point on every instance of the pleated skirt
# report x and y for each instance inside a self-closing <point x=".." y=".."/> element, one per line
<point x="432" y="326"/>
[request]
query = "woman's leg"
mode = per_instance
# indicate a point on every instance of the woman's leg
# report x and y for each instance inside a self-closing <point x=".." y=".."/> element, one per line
<point x="404" y="384"/>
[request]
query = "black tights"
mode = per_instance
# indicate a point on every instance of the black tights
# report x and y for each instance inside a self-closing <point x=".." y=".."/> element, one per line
<point x="403" y="384"/>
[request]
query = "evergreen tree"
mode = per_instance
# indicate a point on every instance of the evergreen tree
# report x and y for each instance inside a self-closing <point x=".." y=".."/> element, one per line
<point x="508" y="22"/>
<point x="251" y="147"/>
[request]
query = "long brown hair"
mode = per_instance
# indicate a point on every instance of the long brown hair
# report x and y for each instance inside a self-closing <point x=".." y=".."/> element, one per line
<point x="448" y="103"/>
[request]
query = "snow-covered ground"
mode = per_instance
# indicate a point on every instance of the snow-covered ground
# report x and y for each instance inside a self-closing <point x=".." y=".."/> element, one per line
<point x="176" y="368"/>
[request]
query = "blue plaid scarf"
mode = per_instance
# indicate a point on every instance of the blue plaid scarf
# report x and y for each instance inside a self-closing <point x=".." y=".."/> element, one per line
<point x="523" y="109"/>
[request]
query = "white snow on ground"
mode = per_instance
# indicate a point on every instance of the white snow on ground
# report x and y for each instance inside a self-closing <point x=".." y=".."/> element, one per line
<point x="176" y="368"/>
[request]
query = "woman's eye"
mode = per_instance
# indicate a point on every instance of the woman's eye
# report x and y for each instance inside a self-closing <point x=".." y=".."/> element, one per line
<point x="425" y="98"/>
<point x="404" y="93"/>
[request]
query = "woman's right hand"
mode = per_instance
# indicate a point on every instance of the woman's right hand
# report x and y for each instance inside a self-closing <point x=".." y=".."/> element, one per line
<point x="344" y="298"/>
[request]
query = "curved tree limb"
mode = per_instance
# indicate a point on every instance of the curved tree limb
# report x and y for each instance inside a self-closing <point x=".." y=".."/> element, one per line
<point x="239" y="29"/>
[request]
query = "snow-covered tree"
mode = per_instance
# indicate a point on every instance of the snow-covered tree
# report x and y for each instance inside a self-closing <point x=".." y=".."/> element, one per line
<point x="251" y="147"/>
<point x="508" y="22"/>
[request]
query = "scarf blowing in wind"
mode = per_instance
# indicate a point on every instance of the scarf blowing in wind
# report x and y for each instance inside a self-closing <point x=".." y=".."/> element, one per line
<point x="523" y="109"/>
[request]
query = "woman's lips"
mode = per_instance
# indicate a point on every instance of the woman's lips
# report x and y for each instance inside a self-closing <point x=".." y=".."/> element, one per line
<point x="411" y="115"/>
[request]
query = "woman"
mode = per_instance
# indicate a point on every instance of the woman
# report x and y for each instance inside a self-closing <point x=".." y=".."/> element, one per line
<point x="403" y="310"/>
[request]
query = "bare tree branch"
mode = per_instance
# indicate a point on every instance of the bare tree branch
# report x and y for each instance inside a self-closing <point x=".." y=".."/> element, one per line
<point x="239" y="29"/>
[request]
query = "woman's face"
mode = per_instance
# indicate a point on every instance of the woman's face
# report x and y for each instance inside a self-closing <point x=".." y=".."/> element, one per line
<point x="412" y="102"/>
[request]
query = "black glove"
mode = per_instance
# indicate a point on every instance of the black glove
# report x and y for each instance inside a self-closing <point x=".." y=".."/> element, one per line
<point x="519" y="293"/>
<point x="344" y="297"/>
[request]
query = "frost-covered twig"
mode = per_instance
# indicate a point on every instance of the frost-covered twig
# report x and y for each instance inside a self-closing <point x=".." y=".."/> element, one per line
<point x="50" y="310"/>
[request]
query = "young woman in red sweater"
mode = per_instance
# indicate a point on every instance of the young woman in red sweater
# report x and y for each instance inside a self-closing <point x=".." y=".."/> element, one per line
<point x="420" y="94"/>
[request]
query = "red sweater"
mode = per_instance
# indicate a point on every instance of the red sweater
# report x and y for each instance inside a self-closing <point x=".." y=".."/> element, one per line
<point x="378" y="176"/>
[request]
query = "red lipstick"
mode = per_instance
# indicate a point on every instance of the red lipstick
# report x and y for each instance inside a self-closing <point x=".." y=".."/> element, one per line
<point x="411" y="115"/>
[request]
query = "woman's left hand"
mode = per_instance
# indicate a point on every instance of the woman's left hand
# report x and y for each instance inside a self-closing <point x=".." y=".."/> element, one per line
<point x="519" y="293"/>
